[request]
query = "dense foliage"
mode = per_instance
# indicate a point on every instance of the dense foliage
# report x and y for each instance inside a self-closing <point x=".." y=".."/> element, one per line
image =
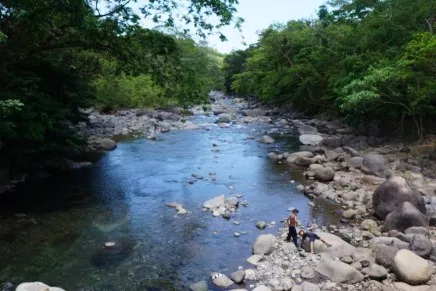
<point x="373" y="61"/>
<point x="59" y="55"/>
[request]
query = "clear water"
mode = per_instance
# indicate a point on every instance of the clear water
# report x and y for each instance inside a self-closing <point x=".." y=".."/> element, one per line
<point x="69" y="218"/>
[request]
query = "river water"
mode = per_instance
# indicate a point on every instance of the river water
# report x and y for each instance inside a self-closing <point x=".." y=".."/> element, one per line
<point x="68" y="218"/>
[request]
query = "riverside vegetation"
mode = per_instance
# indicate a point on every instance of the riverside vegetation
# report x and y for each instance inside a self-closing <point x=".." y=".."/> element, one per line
<point x="58" y="56"/>
<point x="367" y="64"/>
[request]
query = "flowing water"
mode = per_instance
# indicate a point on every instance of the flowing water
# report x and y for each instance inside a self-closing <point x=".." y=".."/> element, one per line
<point x="69" y="218"/>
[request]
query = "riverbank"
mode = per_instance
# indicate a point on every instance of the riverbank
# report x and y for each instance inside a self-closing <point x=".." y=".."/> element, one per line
<point x="342" y="167"/>
<point x="333" y="171"/>
<point x="365" y="176"/>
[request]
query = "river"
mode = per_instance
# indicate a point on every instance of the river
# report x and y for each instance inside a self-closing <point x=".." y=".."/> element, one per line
<point x="53" y="231"/>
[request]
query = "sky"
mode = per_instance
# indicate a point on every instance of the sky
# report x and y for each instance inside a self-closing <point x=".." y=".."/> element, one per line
<point x="258" y="15"/>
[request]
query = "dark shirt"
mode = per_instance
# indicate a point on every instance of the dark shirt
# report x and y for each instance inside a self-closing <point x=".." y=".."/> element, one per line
<point x="312" y="236"/>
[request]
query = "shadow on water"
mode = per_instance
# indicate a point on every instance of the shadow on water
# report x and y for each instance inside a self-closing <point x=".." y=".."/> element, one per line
<point x="55" y="231"/>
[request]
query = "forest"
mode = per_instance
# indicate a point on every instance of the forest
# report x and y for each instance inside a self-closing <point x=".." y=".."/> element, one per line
<point x="371" y="62"/>
<point x="58" y="56"/>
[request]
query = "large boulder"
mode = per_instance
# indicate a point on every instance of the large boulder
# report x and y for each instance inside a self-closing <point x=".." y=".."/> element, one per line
<point x="311" y="139"/>
<point x="411" y="268"/>
<point x="106" y="144"/>
<point x="224" y="118"/>
<point x="36" y="286"/>
<point x="264" y="244"/>
<point x="339" y="248"/>
<point x="392" y="193"/>
<point x="375" y="164"/>
<point x="339" y="272"/>
<point x="325" y="174"/>
<point x="404" y="217"/>
<point x="384" y="255"/>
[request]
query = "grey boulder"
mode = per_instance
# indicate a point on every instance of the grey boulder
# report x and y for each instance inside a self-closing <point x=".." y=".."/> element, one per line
<point x="310" y="139"/>
<point x="339" y="272"/>
<point x="404" y="217"/>
<point x="391" y="194"/>
<point x="238" y="276"/>
<point x="376" y="272"/>
<point x="264" y="244"/>
<point x="325" y="174"/>
<point x="421" y="245"/>
<point x="355" y="162"/>
<point x="384" y="255"/>
<point x="375" y="164"/>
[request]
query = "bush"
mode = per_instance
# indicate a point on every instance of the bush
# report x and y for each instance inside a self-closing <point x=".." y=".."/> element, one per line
<point x="115" y="92"/>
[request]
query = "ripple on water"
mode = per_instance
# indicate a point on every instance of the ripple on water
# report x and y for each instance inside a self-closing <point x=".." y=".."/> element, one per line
<point x="122" y="199"/>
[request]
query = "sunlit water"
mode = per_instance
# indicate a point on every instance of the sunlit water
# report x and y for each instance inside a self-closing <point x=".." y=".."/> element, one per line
<point x="68" y="219"/>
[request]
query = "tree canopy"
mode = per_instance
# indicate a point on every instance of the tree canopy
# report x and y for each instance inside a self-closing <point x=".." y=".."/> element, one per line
<point x="370" y="61"/>
<point x="59" y="55"/>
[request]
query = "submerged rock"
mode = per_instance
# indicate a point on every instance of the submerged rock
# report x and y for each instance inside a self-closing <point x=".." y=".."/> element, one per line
<point x="199" y="286"/>
<point x="112" y="254"/>
<point x="108" y="224"/>
<point x="266" y="139"/>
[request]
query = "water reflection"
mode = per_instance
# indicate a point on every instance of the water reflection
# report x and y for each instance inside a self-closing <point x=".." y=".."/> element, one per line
<point x="68" y="219"/>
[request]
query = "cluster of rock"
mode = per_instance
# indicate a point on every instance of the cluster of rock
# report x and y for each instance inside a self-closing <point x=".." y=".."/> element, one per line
<point x="131" y="121"/>
<point x="386" y="264"/>
<point x="222" y="206"/>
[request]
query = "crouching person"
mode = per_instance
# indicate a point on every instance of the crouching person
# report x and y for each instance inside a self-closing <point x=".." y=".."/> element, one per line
<point x="312" y="237"/>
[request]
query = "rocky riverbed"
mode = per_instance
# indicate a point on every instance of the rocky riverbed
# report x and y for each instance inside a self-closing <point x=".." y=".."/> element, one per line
<point x="386" y="239"/>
